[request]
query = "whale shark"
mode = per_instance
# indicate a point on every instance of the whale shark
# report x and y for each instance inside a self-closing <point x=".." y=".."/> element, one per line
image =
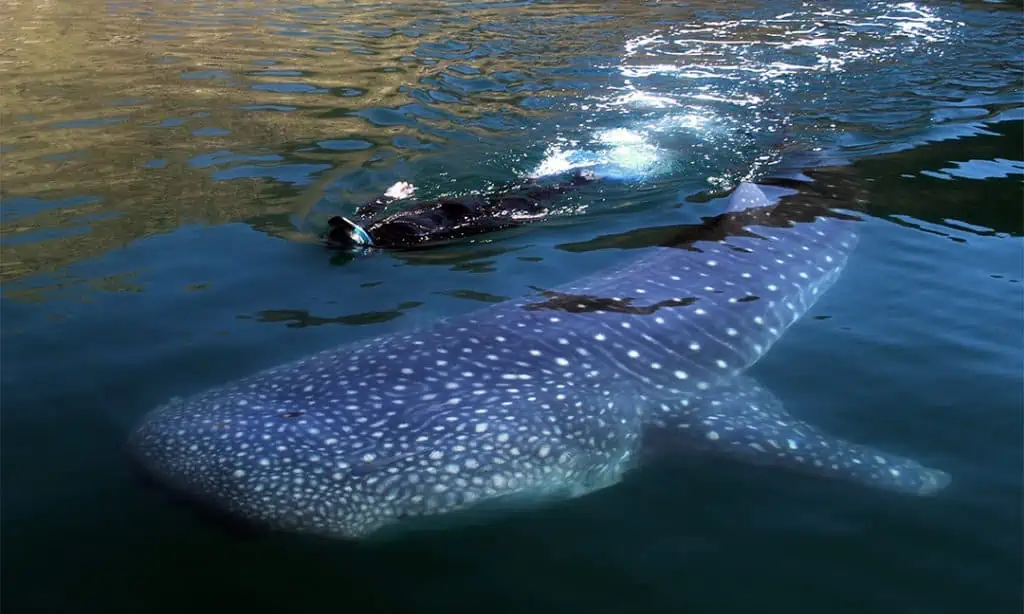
<point x="549" y="396"/>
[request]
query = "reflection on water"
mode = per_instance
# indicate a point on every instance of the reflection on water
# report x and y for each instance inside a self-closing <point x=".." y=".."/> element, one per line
<point x="123" y="120"/>
<point x="165" y="113"/>
<point x="166" y="166"/>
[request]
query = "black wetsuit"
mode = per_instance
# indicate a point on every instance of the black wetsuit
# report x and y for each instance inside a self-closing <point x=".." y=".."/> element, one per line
<point x="446" y="219"/>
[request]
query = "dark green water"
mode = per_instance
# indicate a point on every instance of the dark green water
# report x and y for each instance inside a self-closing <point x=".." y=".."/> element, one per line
<point x="163" y="164"/>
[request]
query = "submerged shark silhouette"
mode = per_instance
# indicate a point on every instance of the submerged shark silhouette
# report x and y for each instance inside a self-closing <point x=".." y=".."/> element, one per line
<point x="536" y="398"/>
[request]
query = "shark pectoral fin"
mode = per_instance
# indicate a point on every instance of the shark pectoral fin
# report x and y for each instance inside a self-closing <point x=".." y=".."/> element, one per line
<point x="742" y="420"/>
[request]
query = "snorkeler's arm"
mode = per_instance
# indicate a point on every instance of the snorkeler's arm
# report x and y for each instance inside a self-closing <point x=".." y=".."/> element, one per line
<point x="532" y="186"/>
<point x="526" y="202"/>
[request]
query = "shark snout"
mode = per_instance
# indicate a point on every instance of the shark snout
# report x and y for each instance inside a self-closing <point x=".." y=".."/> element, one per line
<point x="192" y="447"/>
<point x="258" y="463"/>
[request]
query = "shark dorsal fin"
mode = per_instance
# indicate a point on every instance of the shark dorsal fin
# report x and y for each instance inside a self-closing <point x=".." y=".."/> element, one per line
<point x="746" y="197"/>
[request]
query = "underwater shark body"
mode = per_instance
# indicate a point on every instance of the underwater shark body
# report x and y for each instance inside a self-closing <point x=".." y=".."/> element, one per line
<point x="532" y="399"/>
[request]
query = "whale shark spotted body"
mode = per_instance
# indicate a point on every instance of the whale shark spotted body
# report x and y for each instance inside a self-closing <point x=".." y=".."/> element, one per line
<point x="540" y="397"/>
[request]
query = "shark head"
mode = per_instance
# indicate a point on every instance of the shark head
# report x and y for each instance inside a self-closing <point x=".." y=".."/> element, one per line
<point x="351" y="441"/>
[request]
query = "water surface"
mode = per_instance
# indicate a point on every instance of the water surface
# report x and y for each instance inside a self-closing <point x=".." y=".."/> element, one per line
<point x="167" y="165"/>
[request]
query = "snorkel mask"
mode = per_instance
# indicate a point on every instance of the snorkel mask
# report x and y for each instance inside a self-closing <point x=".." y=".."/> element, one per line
<point x="346" y="233"/>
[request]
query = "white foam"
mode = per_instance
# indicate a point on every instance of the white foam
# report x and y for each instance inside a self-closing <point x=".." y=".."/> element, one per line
<point x="618" y="153"/>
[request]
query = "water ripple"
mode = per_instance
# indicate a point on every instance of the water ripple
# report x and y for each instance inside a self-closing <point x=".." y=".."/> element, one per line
<point x="166" y="166"/>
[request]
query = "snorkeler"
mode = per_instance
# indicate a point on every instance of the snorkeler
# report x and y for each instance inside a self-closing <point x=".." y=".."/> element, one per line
<point x="444" y="219"/>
